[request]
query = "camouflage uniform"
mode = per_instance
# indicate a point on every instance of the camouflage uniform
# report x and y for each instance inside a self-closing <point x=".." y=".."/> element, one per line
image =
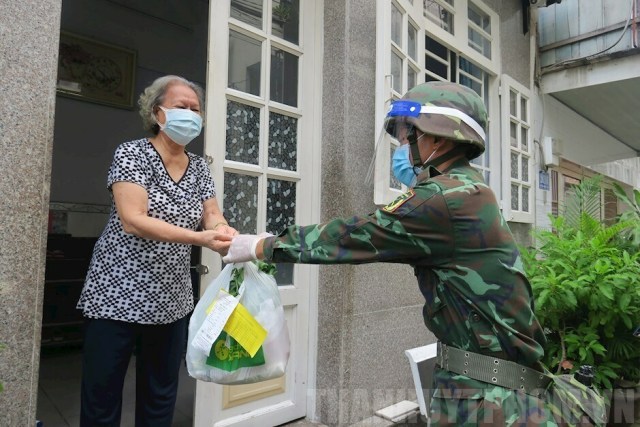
<point x="449" y="227"/>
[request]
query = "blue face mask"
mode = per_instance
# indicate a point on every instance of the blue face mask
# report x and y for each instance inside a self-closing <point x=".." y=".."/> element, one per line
<point x="181" y="125"/>
<point x="402" y="167"/>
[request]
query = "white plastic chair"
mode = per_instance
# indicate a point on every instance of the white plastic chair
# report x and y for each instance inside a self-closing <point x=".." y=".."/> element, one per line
<point x="422" y="361"/>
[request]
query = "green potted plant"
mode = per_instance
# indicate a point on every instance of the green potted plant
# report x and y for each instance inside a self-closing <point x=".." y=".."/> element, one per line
<point x="585" y="277"/>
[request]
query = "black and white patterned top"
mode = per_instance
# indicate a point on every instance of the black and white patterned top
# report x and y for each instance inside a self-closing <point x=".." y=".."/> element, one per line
<point x="139" y="280"/>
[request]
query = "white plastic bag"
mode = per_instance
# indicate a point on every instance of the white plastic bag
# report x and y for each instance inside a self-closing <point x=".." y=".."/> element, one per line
<point x="260" y="296"/>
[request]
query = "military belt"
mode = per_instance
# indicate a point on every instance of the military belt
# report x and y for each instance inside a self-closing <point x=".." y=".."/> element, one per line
<point x="492" y="370"/>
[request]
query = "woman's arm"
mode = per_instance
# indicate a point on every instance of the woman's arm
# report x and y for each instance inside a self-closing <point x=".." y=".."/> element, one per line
<point x="131" y="203"/>
<point x="214" y="220"/>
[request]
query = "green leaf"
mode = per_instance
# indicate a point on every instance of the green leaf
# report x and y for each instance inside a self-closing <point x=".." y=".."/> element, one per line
<point x="624" y="301"/>
<point x="607" y="292"/>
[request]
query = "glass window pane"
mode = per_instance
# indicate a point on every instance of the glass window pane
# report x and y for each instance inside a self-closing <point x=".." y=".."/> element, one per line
<point x="436" y="48"/>
<point x="249" y="11"/>
<point x="283" y="142"/>
<point x="439" y="15"/>
<point x="470" y="83"/>
<point x="396" y="72"/>
<point x="412" y="41"/>
<point x="241" y="202"/>
<point x="437" y="67"/>
<point x="479" y="18"/>
<point x="513" y="103"/>
<point x="244" y="63"/>
<point x="243" y="133"/>
<point x="284" y="77"/>
<point x="396" y="25"/>
<point x="412" y="77"/>
<point x="523" y="109"/>
<point x="513" y="134"/>
<point x="515" y="205"/>
<point x="285" y="20"/>
<point x="482" y="161"/>
<point x="525" y="199"/>
<point x="470" y="68"/>
<point x="476" y="79"/>
<point x="524" y="138"/>
<point x="514" y="165"/>
<point x="281" y="213"/>
<point x="525" y="169"/>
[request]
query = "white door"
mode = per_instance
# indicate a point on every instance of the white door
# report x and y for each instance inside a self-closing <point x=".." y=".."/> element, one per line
<point x="263" y="136"/>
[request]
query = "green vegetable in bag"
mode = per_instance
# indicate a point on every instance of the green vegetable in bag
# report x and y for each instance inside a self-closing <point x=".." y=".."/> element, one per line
<point x="226" y="353"/>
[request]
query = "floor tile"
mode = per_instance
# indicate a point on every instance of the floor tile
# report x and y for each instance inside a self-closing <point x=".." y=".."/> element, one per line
<point x="59" y="392"/>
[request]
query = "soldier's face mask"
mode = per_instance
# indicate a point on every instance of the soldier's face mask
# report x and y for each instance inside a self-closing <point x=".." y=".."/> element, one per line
<point x="406" y="163"/>
<point x="402" y="163"/>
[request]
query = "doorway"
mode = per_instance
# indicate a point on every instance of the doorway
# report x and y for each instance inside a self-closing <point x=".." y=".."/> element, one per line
<point x="157" y="38"/>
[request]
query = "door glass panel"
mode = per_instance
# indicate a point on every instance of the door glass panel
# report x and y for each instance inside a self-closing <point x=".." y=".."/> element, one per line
<point x="525" y="169"/>
<point x="285" y="20"/>
<point x="284" y="77"/>
<point x="249" y="11"/>
<point x="244" y="63"/>
<point x="241" y="202"/>
<point x="281" y="212"/>
<point x="243" y="133"/>
<point x="283" y="142"/>
<point x="524" y="139"/>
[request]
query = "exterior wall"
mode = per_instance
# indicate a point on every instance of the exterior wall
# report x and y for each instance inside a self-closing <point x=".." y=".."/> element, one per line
<point x="28" y="63"/>
<point x="515" y="53"/>
<point x="625" y="170"/>
<point x="369" y="314"/>
<point x="573" y="18"/>
<point x="514" y="44"/>
<point x="582" y="142"/>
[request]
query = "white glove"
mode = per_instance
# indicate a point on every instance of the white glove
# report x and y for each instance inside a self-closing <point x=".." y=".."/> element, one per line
<point x="243" y="248"/>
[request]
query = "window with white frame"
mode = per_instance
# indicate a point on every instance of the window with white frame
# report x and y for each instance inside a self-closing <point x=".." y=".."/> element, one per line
<point x="516" y="129"/>
<point x="458" y="48"/>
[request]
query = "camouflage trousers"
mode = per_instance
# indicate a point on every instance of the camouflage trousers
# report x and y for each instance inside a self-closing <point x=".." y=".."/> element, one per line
<point x="461" y="401"/>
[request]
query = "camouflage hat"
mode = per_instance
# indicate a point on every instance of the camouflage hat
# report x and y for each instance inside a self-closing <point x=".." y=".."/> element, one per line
<point x="444" y="109"/>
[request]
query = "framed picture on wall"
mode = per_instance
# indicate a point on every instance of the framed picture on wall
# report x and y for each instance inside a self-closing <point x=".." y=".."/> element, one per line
<point x="96" y="71"/>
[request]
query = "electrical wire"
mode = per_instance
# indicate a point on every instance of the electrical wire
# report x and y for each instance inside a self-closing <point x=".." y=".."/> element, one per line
<point x="588" y="57"/>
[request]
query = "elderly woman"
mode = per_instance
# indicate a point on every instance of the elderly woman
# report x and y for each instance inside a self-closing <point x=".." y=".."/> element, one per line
<point x="138" y="292"/>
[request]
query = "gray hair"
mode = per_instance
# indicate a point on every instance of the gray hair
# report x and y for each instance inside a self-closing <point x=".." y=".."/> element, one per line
<point x="153" y="96"/>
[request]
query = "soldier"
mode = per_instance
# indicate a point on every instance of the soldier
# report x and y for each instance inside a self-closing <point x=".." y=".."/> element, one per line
<point x="448" y="226"/>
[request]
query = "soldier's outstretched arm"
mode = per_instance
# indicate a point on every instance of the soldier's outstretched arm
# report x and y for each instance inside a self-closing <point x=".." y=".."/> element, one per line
<point x="416" y="226"/>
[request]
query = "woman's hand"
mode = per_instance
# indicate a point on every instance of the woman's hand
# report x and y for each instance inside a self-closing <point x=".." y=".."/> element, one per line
<point x="226" y="229"/>
<point x="216" y="240"/>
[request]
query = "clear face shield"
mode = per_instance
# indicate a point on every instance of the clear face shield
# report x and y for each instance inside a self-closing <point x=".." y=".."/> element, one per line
<point x="403" y="156"/>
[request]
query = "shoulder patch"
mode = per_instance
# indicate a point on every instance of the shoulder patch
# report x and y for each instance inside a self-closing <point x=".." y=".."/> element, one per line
<point x="391" y="207"/>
